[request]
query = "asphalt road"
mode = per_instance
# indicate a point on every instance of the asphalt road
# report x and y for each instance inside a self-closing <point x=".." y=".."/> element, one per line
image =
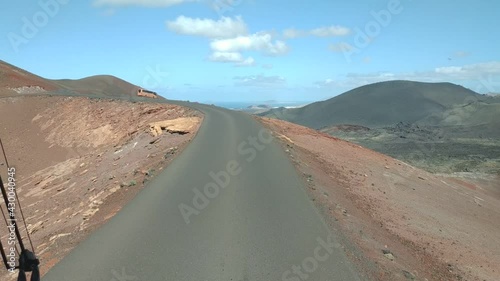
<point x="250" y="219"/>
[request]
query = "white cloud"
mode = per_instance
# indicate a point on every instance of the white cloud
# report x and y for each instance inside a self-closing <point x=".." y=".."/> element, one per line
<point x="223" y="6"/>
<point x="341" y="47"/>
<point x="261" y="42"/>
<point x="229" y="39"/>
<point x="292" y="33"/>
<point x="331" y="31"/>
<point x="247" y="62"/>
<point x="231" y="57"/>
<point x="145" y="3"/>
<point x="260" y="81"/>
<point x="326" y="31"/>
<point x="449" y="69"/>
<point x="470" y="71"/>
<point x="223" y="28"/>
<point x="226" y="57"/>
<point x="480" y="77"/>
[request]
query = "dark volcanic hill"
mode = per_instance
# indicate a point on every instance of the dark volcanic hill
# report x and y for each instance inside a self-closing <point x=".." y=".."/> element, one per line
<point x="381" y="104"/>
<point x="440" y="127"/>
<point x="15" y="81"/>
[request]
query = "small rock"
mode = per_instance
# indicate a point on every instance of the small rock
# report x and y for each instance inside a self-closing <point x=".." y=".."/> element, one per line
<point x="450" y="267"/>
<point x="35" y="227"/>
<point x="422" y="178"/>
<point x="95" y="204"/>
<point x="59" y="236"/>
<point x="409" y="275"/>
<point x="89" y="213"/>
<point x="389" y="256"/>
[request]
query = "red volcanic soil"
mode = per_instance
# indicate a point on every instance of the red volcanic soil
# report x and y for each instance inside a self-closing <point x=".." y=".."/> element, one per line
<point x="398" y="222"/>
<point x="13" y="77"/>
<point x="79" y="160"/>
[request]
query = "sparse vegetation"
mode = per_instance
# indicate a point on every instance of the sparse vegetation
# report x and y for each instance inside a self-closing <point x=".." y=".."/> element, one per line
<point x="440" y="127"/>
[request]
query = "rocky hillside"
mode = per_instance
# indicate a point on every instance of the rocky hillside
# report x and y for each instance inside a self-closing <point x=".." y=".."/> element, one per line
<point x="398" y="222"/>
<point x="80" y="160"/>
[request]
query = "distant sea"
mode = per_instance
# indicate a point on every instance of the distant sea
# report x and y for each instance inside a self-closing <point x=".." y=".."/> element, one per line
<point x="244" y="105"/>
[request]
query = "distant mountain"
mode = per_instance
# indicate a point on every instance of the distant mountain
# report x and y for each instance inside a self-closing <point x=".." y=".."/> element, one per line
<point x="16" y="81"/>
<point x="260" y="106"/>
<point x="381" y="104"/>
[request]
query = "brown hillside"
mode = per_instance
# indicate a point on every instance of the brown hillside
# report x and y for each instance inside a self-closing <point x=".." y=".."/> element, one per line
<point x="435" y="227"/>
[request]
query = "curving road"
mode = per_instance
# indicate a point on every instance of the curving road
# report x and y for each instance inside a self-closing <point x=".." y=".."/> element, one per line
<point x="230" y="207"/>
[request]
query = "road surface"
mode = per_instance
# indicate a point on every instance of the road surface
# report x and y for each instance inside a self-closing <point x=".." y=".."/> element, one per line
<point x="230" y="207"/>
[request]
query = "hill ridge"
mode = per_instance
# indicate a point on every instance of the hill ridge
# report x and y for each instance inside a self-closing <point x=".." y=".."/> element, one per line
<point x="380" y="104"/>
<point x="15" y="81"/>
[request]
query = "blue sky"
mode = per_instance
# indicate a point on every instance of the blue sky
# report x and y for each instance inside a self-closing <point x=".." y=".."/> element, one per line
<point x="251" y="50"/>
